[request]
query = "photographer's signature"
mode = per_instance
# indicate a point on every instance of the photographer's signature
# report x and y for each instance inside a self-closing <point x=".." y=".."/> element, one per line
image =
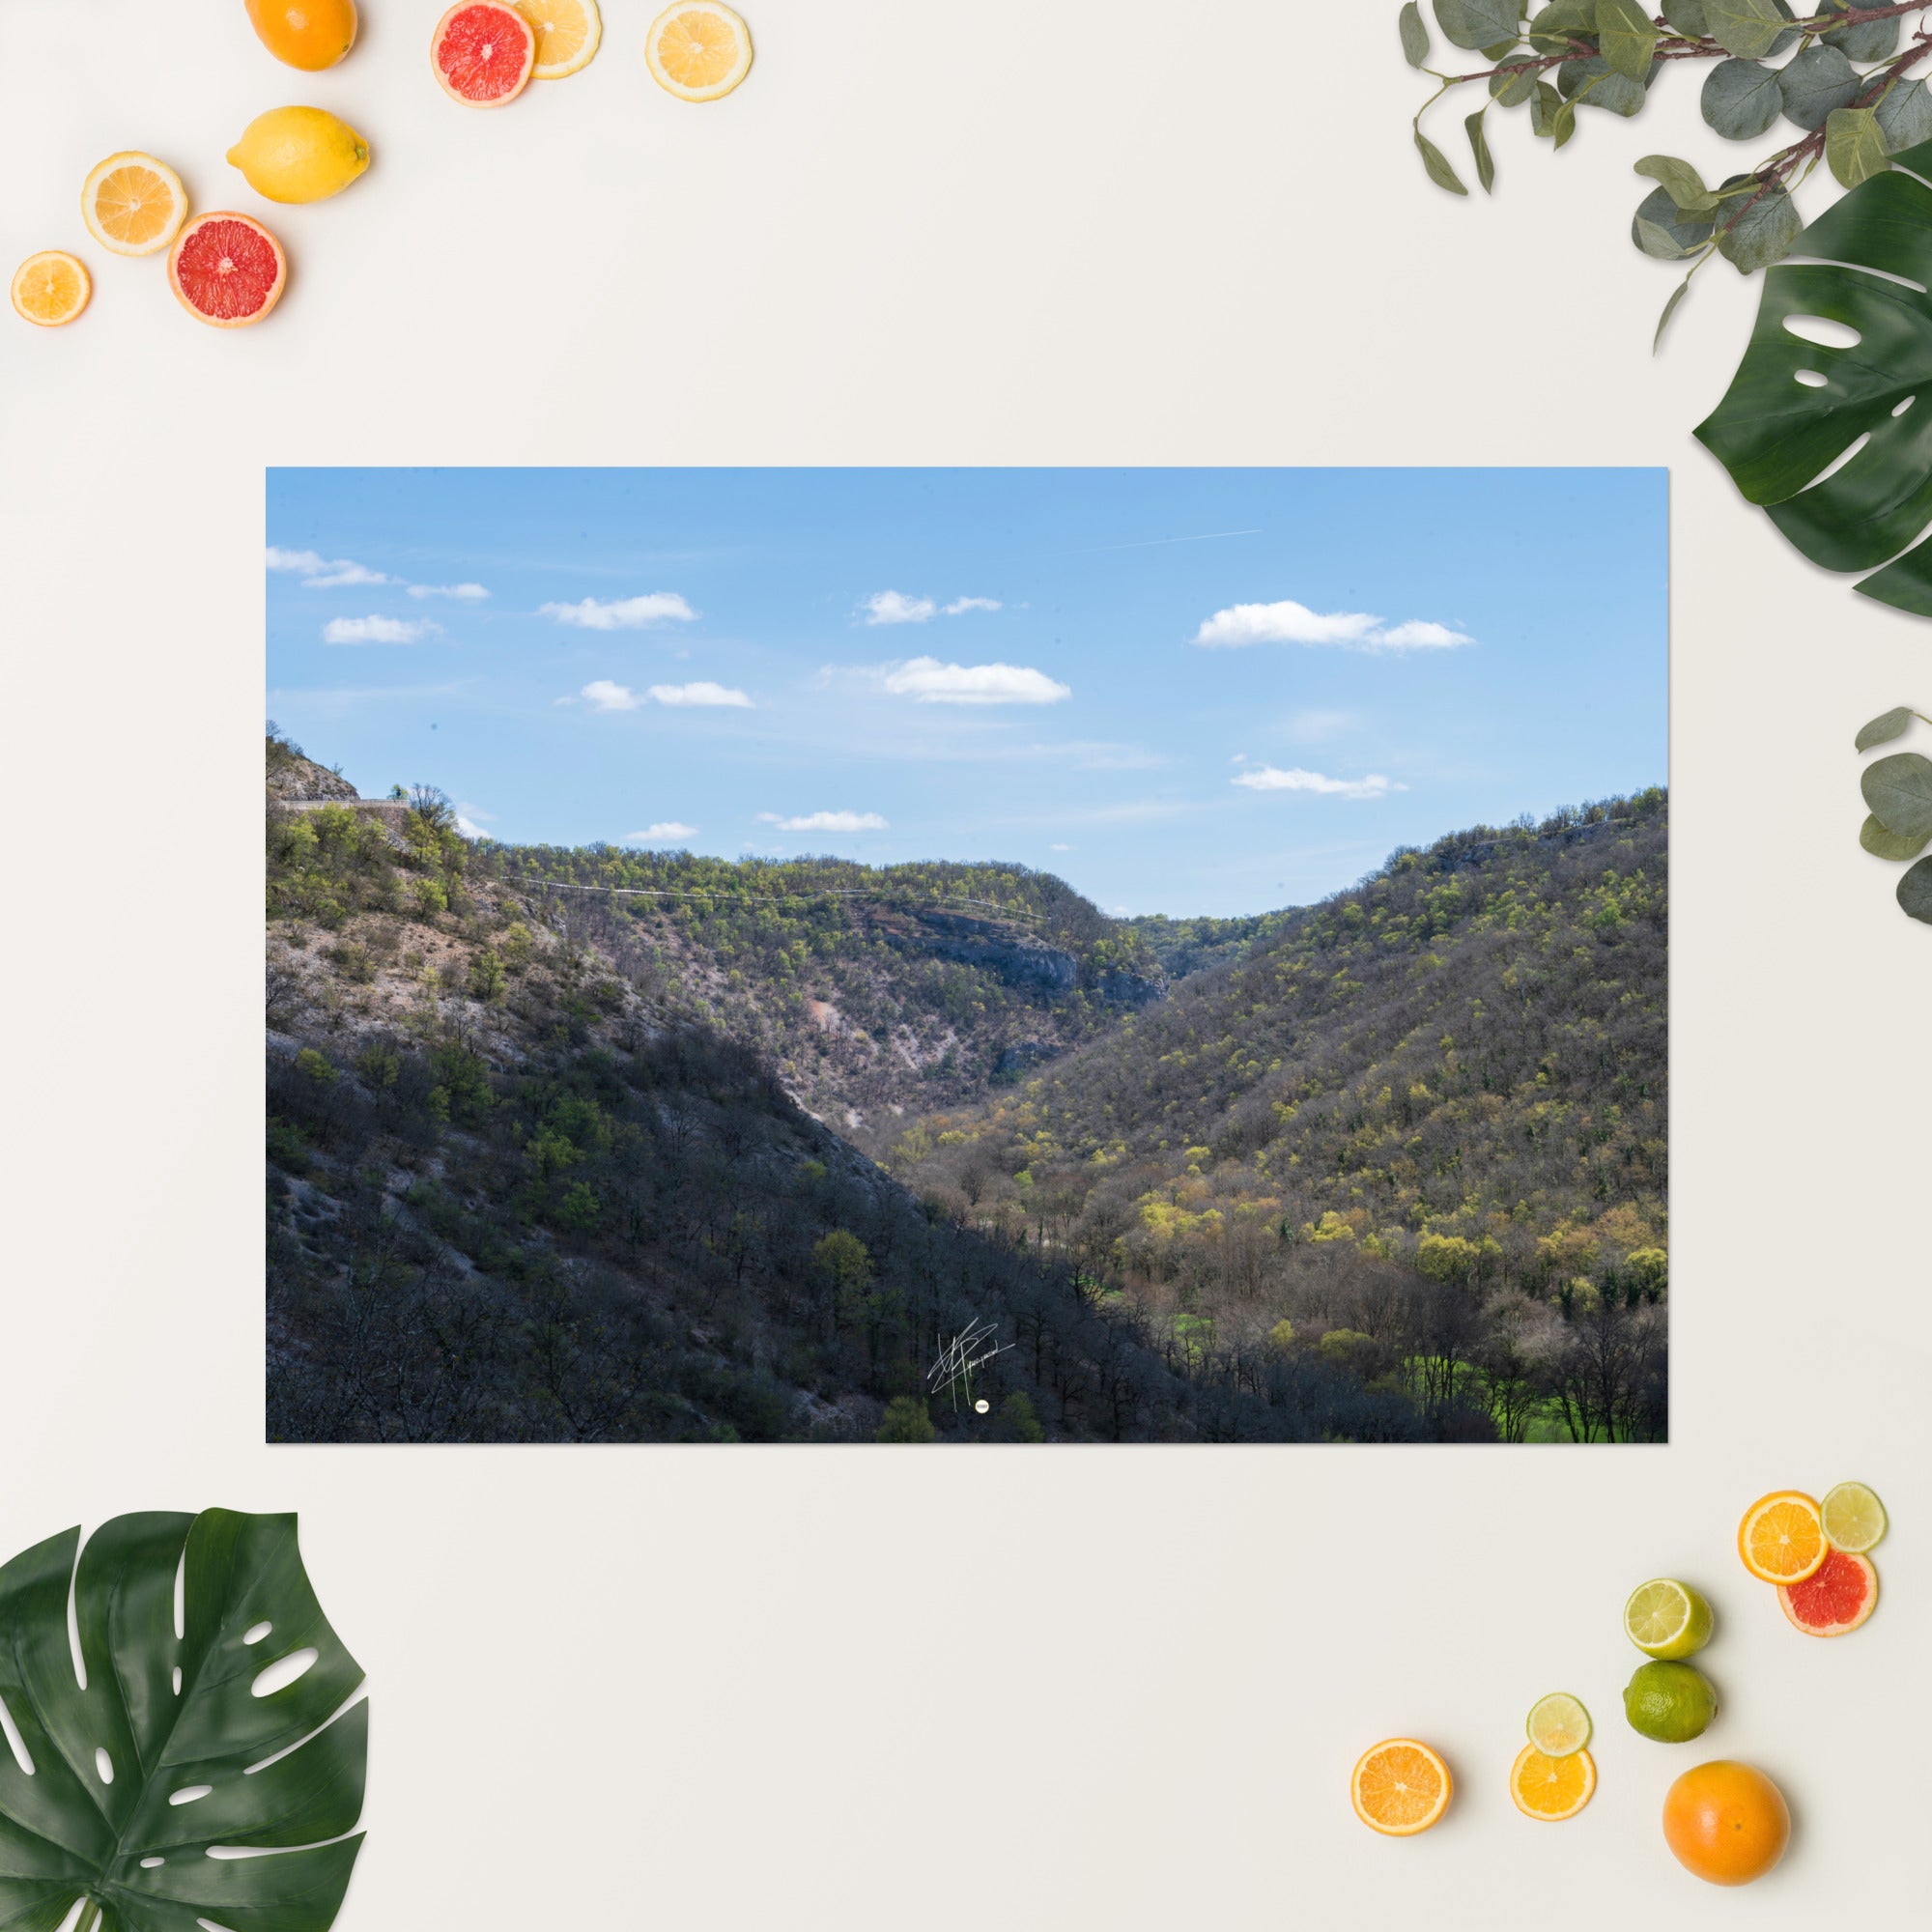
<point x="953" y="1367"/>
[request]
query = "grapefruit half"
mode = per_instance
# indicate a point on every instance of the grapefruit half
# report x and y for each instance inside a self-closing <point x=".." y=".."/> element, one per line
<point x="226" y="270"/>
<point x="1837" y="1597"/>
<point x="483" y="53"/>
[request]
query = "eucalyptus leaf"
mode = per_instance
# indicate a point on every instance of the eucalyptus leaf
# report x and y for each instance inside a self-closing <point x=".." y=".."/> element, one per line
<point x="1915" y="892"/>
<point x="1625" y="37"/>
<point x="1414" y="35"/>
<point x="1747" y="28"/>
<point x="1595" y="83"/>
<point x="1552" y="29"/>
<point x="1776" y="434"/>
<point x="1512" y="87"/>
<point x="96" y="1819"/>
<point x="1855" y="147"/>
<point x="1544" y="104"/>
<point x="1659" y="228"/>
<point x="1762" y="231"/>
<point x="1904" y="113"/>
<point x="1686" y="17"/>
<point x="1815" y="81"/>
<point x="1563" y="123"/>
<point x="1885" y="727"/>
<point x="1740" y="99"/>
<point x="1485" y="167"/>
<point x="1677" y="294"/>
<point x="1477" y="23"/>
<point x="1681" y="182"/>
<point x="1438" y="164"/>
<point x="1898" y="794"/>
<point x="1884" y="844"/>
<point x="1498" y="49"/>
<point x="1868" y="41"/>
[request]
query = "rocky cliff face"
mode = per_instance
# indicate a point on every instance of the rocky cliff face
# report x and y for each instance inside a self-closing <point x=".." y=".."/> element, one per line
<point x="292" y="776"/>
<point x="1008" y="951"/>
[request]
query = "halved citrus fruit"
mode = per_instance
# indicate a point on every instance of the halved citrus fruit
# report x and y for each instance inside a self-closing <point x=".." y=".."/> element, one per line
<point x="1668" y="1619"/>
<point x="1552" y="1788"/>
<point x="698" y="49"/>
<point x="1558" y="1724"/>
<point x="51" y="288"/>
<point x="1837" y="1597"/>
<point x="1781" y="1538"/>
<point x="1854" y="1519"/>
<point x="227" y="269"/>
<point x="568" y="33"/>
<point x="483" y="51"/>
<point x="134" y="204"/>
<point x="1400" y="1787"/>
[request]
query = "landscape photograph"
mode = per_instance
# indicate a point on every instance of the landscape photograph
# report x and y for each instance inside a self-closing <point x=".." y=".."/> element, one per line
<point x="967" y="956"/>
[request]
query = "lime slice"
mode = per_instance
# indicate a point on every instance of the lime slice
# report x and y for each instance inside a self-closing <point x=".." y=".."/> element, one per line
<point x="1558" y="1724"/>
<point x="1853" y="1518"/>
<point x="1668" y="1619"/>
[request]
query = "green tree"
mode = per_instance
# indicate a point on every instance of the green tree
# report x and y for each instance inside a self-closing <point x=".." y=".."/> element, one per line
<point x="315" y="1066"/>
<point x="487" y="978"/>
<point x="907" y="1420"/>
<point x="1017" y="1421"/>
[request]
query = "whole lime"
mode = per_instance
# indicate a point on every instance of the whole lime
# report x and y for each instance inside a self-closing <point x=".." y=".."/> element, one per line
<point x="1670" y="1703"/>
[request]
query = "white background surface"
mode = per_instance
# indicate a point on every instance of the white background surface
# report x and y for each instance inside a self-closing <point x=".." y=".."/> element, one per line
<point x="874" y="1688"/>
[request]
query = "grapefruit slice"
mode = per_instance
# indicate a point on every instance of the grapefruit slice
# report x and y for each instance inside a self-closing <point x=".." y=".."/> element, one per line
<point x="1837" y="1597"/>
<point x="134" y="204"/>
<point x="698" y="49"/>
<point x="1400" y="1787"/>
<point x="1782" y="1538"/>
<point x="483" y="53"/>
<point x="227" y="269"/>
<point x="568" y="33"/>
<point x="51" y="288"/>
<point x="1552" y="1788"/>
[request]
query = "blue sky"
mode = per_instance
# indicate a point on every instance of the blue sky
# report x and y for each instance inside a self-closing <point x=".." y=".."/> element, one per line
<point x="1184" y="691"/>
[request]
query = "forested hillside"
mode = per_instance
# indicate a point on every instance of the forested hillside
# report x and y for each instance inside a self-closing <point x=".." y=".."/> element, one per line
<point x="1420" y="1127"/>
<point x="541" y="1165"/>
<point x="873" y="992"/>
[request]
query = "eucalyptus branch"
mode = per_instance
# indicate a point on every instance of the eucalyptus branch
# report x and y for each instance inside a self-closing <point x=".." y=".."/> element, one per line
<point x="1845" y="86"/>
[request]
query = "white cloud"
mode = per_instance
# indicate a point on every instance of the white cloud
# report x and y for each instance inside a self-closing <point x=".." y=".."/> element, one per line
<point x="1290" y="623"/>
<point x="699" y="693"/>
<point x="622" y="613"/>
<point x="827" y="821"/>
<point x="1060" y="848"/>
<point x="607" y="695"/>
<point x="1267" y="777"/>
<point x="931" y="681"/>
<point x="377" y="630"/>
<point x="320" y="573"/>
<point x="468" y="826"/>
<point x="658" y="833"/>
<point x="467" y="593"/>
<point x="888" y="607"/>
<point x="961" y="604"/>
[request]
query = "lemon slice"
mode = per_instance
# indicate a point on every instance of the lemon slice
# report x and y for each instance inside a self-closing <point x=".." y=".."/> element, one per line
<point x="568" y="33"/>
<point x="51" y="288"/>
<point x="134" y="204"/>
<point x="698" y="49"/>
<point x="1668" y="1619"/>
<point x="1558" y="1724"/>
<point x="1854" y="1519"/>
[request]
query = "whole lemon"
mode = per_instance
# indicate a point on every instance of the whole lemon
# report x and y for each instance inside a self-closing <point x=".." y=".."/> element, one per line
<point x="299" y="154"/>
<point x="1727" y="1822"/>
<point x="308" y="34"/>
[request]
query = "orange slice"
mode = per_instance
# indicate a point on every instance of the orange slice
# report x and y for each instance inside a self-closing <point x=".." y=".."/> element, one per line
<point x="1400" y="1787"/>
<point x="51" y="288"/>
<point x="698" y="49"/>
<point x="1782" y="1537"/>
<point x="1552" y="1788"/>
<point x="134" y="204"/>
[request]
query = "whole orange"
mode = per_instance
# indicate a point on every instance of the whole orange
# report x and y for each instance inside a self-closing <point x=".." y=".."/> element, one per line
<point x="1727" y="1822"/>
<point x="308" y="34"/>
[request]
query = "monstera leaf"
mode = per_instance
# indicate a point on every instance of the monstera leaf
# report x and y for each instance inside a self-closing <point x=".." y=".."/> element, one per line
<point x="162" y="1788"/>
<point x="1795" y="407"/>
